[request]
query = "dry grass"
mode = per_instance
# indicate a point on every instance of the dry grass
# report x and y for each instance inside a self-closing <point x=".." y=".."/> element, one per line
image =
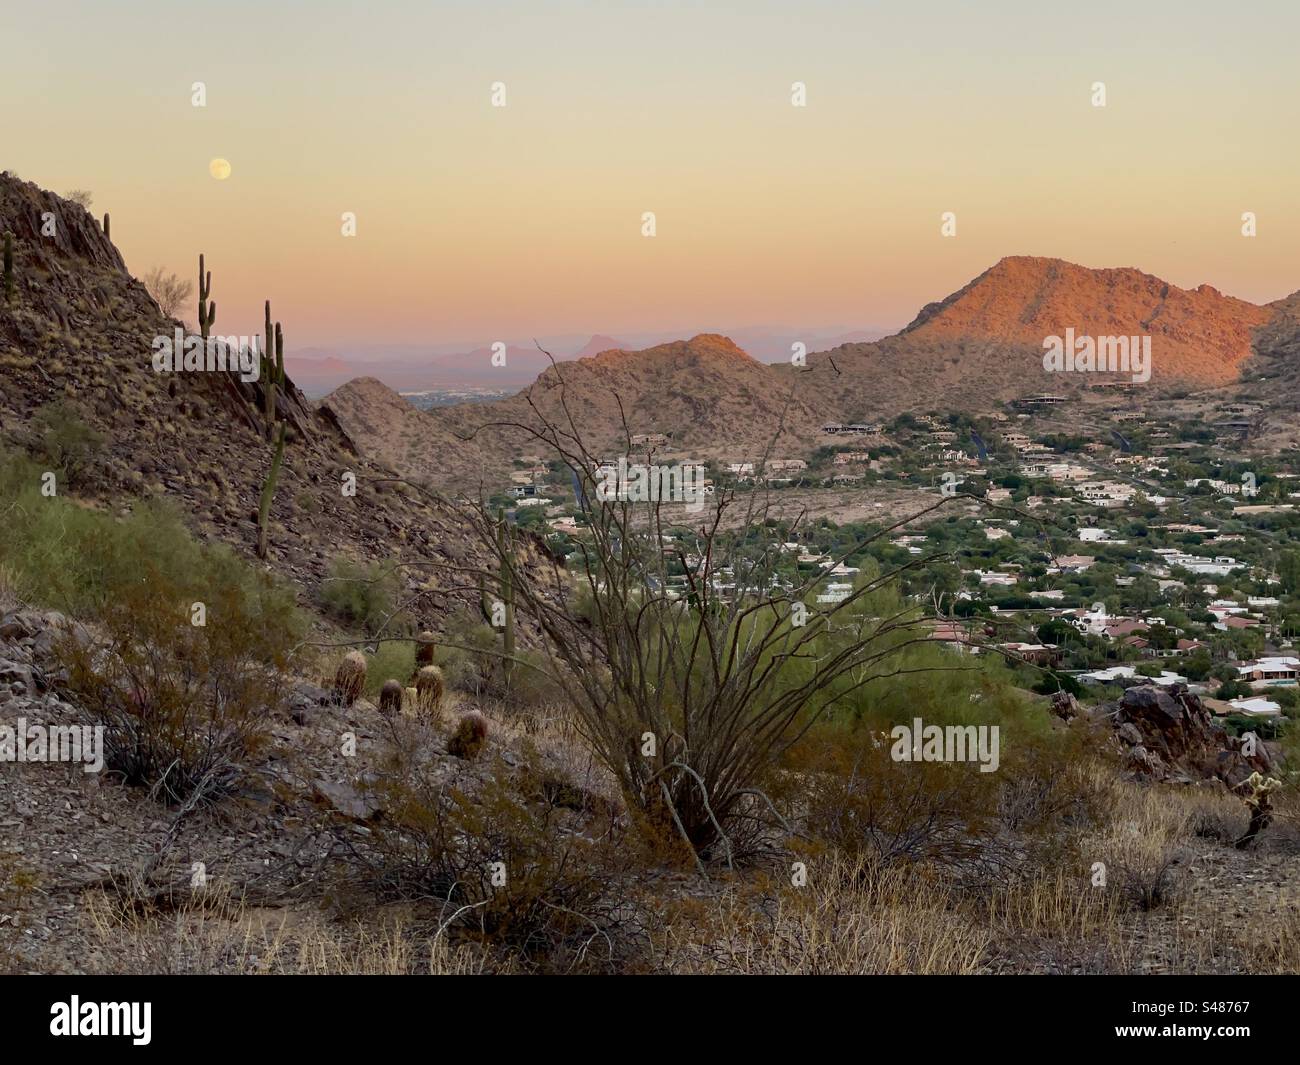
<point x="1156" y="912"/>
<point x="213" y="936"/>
<point x="850" y="917"/>
<point x="1137" y="851"/>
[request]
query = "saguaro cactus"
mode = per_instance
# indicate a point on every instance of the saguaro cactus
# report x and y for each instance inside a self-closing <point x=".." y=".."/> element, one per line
<point x="207" y="309"/>
<point x="107" y="231"/>
<point x="506" y="550"/>
<point x="269" y="380"/>
<point x="9" y="267"/>
<point x="279" y="357"/>
<point x="268" y="488"/>
<point x="505" y="620"/>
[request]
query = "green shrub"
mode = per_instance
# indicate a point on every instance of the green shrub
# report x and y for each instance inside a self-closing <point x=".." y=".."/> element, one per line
<point x="468" y="667"/>
<point x="364" y="596"/>
<point x="72" y="558"/>
<point x="66" y="442"/>
<point x="392" y="660"/>
<point x="184" y="705"/>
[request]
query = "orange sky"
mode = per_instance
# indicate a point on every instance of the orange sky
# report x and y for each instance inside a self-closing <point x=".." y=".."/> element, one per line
<point x="477" y="222"/>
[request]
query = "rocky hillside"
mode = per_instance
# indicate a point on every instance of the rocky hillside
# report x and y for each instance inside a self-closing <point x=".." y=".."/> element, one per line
<point x="984" y="343"/>
<point x="705" y="394"/>
<point x="410" y="440"/>
<point x="978" y="348"/>
<point x="80" y="328"/>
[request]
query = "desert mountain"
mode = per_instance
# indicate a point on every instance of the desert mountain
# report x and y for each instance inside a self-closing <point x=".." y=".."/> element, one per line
<point x="411" y="441"/>
<point x="978" y="348"/>
<point x="597" y="344"/>
<point x="705" y="394"/>
<point x="80" y="328"/>
<point x="984" y="343"/>
<point x="318" y="375"/>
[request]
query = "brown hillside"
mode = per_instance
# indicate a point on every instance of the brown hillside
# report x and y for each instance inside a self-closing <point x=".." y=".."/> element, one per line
<point x="80" y="329"/>
<point x="708" y="396"/>
<point x="412" y="441"/>
<point x="978" y="348"/>
<point x="984" y="343"/>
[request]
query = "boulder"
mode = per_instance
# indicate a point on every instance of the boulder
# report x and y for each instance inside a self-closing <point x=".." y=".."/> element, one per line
<point x="1166" y="732"/>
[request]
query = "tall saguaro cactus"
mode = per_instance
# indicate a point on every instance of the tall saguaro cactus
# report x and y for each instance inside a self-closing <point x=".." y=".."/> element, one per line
<point x="272" y="372"/>
<point x="108" y="233"/>
<point x="207" y="308"/>
<point x="274" y="376"/>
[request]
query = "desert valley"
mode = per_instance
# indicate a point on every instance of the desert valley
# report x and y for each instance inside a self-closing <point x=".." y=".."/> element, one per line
<point x="447" y="707"/>
<point x="644" y="490"/>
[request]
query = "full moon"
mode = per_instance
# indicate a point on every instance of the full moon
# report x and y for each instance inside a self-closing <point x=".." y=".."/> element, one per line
<point x="219" y="169"/>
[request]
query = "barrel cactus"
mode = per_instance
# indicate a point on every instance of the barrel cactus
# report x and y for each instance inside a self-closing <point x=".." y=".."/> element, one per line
<point x="470" y="736"/>
<point x="350" y="678"/>
<point x="424" y="650"/>
<point x="429" y="689"/>
<point x="390" y="698"/>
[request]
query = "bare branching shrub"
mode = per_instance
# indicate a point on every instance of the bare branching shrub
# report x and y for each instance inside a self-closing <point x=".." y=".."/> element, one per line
<point x="501" y="859"/>
<point x="169" y="291"/>
<point x="1050" y="785"/>
<point x="1141" y="846"/>
<point x="185" y="706"/>
<point x="689" y="662"/>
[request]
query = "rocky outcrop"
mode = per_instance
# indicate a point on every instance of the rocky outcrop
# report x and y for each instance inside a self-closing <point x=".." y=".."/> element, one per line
<point x="28" y="210"/>
<point x="1168" y="734"/>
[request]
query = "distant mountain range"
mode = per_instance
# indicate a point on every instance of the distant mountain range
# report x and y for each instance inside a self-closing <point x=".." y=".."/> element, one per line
<point x="980" y="347"/>
<point x="413" y="368"/>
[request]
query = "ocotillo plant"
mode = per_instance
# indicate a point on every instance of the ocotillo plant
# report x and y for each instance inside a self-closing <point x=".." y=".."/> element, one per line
<point x="9" y="267"/>
<point x="207" y="309"/>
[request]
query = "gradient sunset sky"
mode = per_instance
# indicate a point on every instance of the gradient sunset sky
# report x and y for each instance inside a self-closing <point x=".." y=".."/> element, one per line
<point x="476" y="222"/>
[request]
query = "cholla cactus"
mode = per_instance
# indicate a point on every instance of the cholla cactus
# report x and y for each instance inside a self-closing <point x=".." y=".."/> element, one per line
<point x="429" y="689"/>
<point x="350" y="678"/>
<point x="1260" y="787"/>
<point x="390" y="698"/>
<point x="469" y="737"/>
<point x="1260" y="806"/>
